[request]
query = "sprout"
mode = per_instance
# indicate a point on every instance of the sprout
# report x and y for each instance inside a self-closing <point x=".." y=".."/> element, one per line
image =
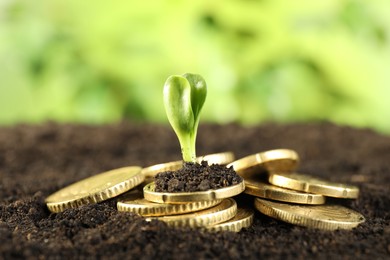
<point x="184" y="97"/>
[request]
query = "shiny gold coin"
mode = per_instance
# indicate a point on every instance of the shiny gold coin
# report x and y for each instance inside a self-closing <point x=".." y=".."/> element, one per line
<point x="273" y="160"/>
<point x="327" y="217"/>
<point x="94" y="189"/>
<point x="216" y="158"/>
<point x="310" y="184"/>
<point x="151" y="171"/>
<point x="224" y="211"/>
<point x="135" y="202"/>
<point x="243" y="219"/>
<point x="182" y="197"/>
<point x="260" y="189"/>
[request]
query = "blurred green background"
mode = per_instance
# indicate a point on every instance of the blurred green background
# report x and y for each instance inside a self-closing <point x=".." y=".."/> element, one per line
<point x="95" y="61"/>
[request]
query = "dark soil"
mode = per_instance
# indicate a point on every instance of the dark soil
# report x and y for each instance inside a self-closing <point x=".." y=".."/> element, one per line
<point x="38" y="160"/>
<point x="196" y="177"/>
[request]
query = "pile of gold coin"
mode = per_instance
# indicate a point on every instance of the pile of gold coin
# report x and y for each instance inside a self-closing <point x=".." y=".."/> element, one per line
<point x="213" y="210"/>
<point x="295" y="198"/>
<point x="268" y="176"/>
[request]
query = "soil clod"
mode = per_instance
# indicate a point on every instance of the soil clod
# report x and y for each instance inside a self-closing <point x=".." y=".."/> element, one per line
<point x="196" y="177"/>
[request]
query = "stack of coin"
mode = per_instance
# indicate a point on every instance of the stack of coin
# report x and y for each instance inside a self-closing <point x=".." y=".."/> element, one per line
<point x="269" y="176"/>
<point x="214" y="210"/>
<point x="115" y="182"/>
<point x="295" y="198"/>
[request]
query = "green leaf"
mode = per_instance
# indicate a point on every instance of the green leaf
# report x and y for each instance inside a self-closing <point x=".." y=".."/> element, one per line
<point x="177" y="101"/>
<point x="184" y="97"/>
<point x="198" y="92"/>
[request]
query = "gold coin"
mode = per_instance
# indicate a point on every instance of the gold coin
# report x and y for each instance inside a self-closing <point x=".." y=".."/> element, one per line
<point x="260" y="189"/>
<point x="224" y="211"/>
<point x="327" y="217"/>
<point x="216" y="158"/>
<point x="310" y="184"/>
<point x="94" y="189"/>
<point x="135" y="202"/>
<point x="182" y="197"/>
<point x="273" y="160"/>
<point x="151" y="171"/>
<point x="243" y="219"/>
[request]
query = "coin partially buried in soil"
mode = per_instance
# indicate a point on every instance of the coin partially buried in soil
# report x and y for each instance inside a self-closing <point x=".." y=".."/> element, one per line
<point x="243" y="219"/>
<point x="95" y="189"/>
<point x="306" y="183"/>
<point x="215" y="158"/>
<point x="263" y="190"/>
<point x="268" y="161"/>
<point x="327" y="217"/>
<point x="182" y="197"/>
<point x="135" y="202"/>
<point x="224" y="211"/>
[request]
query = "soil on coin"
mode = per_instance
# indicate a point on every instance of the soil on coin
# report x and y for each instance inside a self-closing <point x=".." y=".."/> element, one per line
<point x="196" y="177"/>
<point x="36" y="161"/>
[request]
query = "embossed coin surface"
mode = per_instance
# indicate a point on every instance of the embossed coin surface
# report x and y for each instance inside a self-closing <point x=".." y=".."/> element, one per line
<point x="181" y="197"/>
<point x="135" y="202"/>
<point x="269" y="161"/>
<point x="327" y="217"/>
<point x="94" y="189"/>
<point x="224" y="211"/>
<point x="243" y="219"/>
<point x="216" y="158"/>
<point x="310" y="184"/>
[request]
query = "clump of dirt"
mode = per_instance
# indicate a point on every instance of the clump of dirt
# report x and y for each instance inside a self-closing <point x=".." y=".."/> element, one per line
<point x="196" y="177"/>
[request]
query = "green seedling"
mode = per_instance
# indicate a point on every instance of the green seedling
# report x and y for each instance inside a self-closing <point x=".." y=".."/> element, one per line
<point x="184" y="97"/>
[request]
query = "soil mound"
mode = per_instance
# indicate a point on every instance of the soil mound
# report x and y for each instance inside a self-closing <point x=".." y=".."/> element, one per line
<point x="35" y="161"/>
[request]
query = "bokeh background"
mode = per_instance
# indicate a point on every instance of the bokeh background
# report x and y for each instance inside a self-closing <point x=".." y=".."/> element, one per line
<point x="95" y="61"/>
